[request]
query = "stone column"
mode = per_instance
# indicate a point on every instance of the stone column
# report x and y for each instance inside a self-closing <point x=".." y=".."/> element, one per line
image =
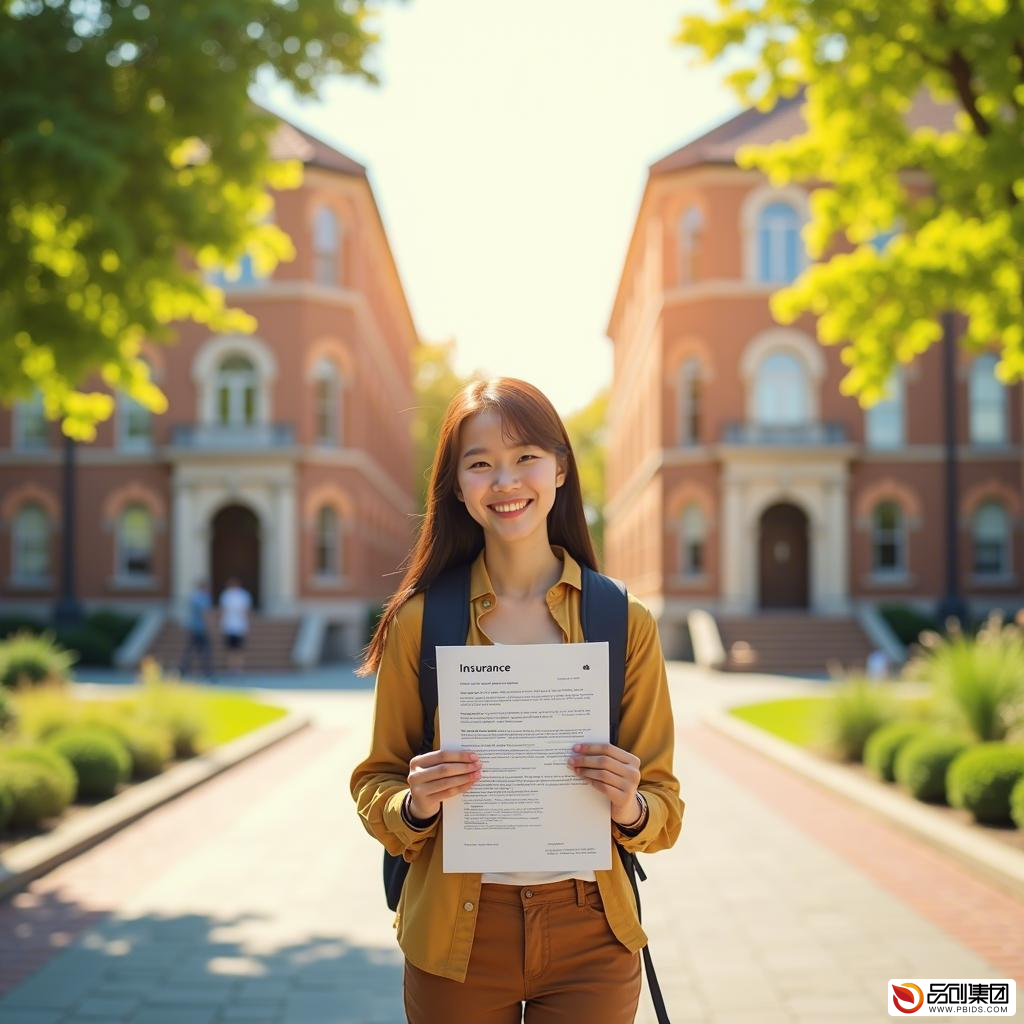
<point x="285" y="567"/>
<point x="733" y="549"/>
<point x="183" y="557"/>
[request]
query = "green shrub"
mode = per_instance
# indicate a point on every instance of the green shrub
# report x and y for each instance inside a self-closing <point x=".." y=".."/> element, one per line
<point x="907" y="622"/>
<point x="112" y="624"/>
<point x="43" y="710"/>
<point x="10" y="624"/>
<point x="923" y="762"/>
<point x="8" y="714"/>
<point x="91" y="646"/>
<point x="176" y="707"/>
<point x="851" y="713"/>
<point x="27" y="660"/>
<point x="885" y="743"/>
<point x="6" y="804"/>
<point x="98" y="757"/>
<point x="978" y="681"/>
<point x="35" y="793"/>
<point x="981" y="778"/>
<point x="1017" y="803"/>
<point x="149" y="746"/>
<point x="41" y="756"/>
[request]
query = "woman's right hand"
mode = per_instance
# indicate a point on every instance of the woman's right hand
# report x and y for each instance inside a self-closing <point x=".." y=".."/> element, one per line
<point x="438" y="775"/>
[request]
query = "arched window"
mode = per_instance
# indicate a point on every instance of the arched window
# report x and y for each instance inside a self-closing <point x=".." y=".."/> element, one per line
<point x="31" y="430"/>
<point x="778" y="244"/>
<point x="134" y="423"/>
<point x="30" y="544"/>
<point x="781" y="396"/>
<point x="987" y="402"/>
<point x="237" y="387"/>
<point x="883" y="422"/>
<point x="690" y="410"/>
<point x="326" y="403"/>
<point x="691" y="229"/>
<point x="325" y="247"/>
<point x="135" y="542"/>
<point x="328" y="547"/>
<point x="888" y="539"/>
<point x="990" y="529"/>
<point x="693" y="534"/>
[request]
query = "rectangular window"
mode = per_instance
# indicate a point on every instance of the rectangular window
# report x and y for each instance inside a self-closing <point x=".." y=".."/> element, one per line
<point x="988" y="558"/>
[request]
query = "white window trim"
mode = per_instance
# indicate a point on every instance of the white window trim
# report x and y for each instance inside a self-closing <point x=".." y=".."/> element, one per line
<point x="750" y="215"/>
<point x="22" y="409"/>
<point x="1004" y="431"/>
<point x="795" y="343"/>
<point x="209" y="358"/>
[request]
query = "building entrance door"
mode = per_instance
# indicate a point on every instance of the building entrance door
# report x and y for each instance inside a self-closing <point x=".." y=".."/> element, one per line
<point x="783" y="557"/>
<point x="235" y="550"/>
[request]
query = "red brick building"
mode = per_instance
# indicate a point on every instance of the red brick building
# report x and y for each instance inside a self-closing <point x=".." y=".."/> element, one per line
<point x="284" y="457"/>
<point x="739" y="478"/>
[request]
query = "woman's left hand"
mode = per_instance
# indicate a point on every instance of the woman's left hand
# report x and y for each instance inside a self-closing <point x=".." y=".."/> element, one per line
<point x="615" y="772"/>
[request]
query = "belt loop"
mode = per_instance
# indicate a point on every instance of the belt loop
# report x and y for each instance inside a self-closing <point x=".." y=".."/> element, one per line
<point x="581" y="892"/>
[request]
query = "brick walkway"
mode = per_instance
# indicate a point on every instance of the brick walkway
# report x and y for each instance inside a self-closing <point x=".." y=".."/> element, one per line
<point x="257" y="898"/>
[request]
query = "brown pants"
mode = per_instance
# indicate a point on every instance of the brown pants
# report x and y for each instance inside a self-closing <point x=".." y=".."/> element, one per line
<point x="548" y="946"/>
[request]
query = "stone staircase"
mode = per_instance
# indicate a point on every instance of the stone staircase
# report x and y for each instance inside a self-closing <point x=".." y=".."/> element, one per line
<point x="792" y="643"/>
<point x="268" y="646"/>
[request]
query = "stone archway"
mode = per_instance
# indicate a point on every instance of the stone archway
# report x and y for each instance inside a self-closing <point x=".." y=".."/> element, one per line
<point x="783" y="557"/>
<point x="235" y="548"/>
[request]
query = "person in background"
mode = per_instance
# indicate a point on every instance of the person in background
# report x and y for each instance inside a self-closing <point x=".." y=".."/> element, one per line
<point x="197" y="625"/>
<point x="235" y="603"/>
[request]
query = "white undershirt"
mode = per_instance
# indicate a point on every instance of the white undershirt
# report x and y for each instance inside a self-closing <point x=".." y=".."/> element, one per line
<point x="533" y="877"/>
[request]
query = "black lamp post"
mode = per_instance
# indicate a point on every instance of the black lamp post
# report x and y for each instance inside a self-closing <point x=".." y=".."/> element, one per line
<point x="68" y="611"/>
<point x="951" y="604"/>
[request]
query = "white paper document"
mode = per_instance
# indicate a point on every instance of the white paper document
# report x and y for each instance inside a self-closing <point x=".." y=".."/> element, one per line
<point x="520" y="708"/>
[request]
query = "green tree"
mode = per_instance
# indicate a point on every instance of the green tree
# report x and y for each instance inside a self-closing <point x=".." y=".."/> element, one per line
<point x="435" y="383"/>
<point x="960" y="246"/>
<point x="131" y="159"/>
<point x="587" y="429"/>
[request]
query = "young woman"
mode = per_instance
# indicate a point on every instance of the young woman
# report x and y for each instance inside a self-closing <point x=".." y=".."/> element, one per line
<point x="505" y="495"/>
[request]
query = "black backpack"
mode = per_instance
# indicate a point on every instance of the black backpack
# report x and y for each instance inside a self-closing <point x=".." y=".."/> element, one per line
<point x="603" y="614"/>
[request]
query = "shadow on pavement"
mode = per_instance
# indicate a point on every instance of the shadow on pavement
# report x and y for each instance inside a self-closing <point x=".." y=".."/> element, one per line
<point x="191" y="967"/>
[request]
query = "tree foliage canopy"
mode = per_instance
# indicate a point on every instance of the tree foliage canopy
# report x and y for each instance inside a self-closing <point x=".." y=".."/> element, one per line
<point x="958" y="247"/>
<point x="131" y="159"/>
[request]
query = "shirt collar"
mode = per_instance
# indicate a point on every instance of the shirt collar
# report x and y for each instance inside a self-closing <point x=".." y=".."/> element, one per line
<point x="480" y="582"/>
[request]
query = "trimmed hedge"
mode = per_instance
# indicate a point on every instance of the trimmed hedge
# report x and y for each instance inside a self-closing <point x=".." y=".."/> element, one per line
<point x="885" y="743"/>
<point x="923" y="763"/>
<point x="99" y="758"/>
<point x="6" y="804"/>
<point x="38" y="789"/>
<point x="1017" y="803"/>
<point x="149" y="746"/>
<point x="49" y="760"/>
<point x="981" y="779"/>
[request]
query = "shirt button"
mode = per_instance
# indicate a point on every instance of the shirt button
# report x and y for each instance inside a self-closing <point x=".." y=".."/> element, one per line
<point x="528" y="893"/>
<point x="467" y="905"/>
<point x="487" y="602"/>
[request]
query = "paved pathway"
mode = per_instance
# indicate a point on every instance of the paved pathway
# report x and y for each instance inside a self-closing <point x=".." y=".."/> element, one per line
<point x="257" y="898"/>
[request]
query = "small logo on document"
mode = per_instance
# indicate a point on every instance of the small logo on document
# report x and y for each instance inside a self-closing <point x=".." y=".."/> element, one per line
<point x="586" y="668"/>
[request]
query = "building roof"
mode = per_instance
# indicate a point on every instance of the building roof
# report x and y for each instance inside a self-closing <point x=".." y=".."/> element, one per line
<point x="783" y="121"/>
<point x="289" y="142"/>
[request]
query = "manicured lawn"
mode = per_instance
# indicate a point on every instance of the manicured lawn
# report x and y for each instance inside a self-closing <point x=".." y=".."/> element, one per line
<point x="794" y="719"/>
<point x="234" y="714"/>
<point x="791" y="719"/>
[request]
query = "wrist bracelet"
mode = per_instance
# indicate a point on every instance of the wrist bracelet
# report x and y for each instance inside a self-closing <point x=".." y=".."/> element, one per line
<point x="637" y="825"/>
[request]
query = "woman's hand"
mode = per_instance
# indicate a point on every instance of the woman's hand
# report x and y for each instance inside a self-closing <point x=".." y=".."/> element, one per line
<point x="438" y="775"/>
<point x="615" y="772"/>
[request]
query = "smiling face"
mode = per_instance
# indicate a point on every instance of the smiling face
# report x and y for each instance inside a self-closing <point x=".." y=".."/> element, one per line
<point x="508" y="488"/>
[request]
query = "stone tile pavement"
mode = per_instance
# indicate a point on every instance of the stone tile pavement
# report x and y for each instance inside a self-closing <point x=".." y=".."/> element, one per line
<point x="257" y="897"/>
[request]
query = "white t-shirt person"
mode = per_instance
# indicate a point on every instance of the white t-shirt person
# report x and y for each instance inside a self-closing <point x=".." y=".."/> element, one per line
<point x="235" y="603"/>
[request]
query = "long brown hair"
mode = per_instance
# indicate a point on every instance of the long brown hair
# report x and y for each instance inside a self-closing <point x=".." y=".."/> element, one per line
<point x="449" y="535"/>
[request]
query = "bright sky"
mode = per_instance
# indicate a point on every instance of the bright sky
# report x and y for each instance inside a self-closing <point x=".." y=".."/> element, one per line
<point x="508" y="147"/>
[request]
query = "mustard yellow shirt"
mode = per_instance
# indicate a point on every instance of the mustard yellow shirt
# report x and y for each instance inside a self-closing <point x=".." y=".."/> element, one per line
<point x="436" y="915"/>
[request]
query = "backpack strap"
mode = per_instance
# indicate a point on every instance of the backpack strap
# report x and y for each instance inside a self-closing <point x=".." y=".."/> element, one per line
<point x="445" y="624"/>
<point x="604" y="612"/>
